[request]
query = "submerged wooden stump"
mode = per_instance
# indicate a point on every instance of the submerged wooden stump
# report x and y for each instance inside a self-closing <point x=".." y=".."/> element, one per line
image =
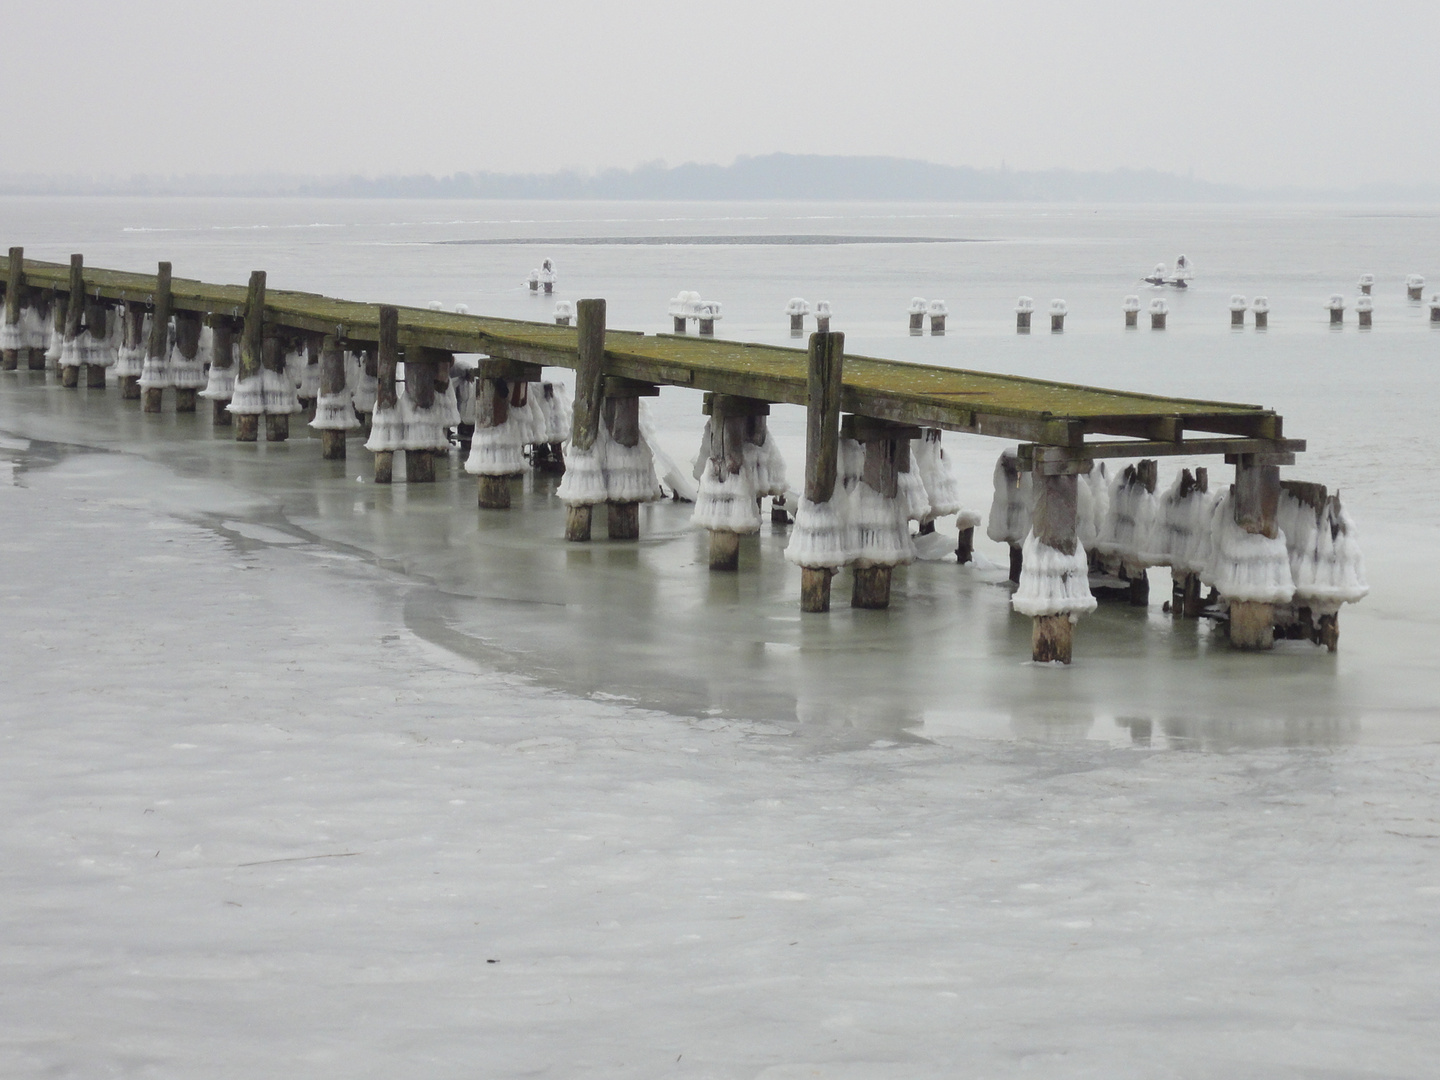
<point x="9" y="360"/>
<point x="1327" y="631"/>
<point x="623" y="520"/>
<point x="724" y="551"/>
<point x="1252" y="624"/>
<point x="577" y="523"/>
<point x="495" y="495"/>
<point x="1185" y="602"/>
<point x="70" y="380"/>
<point x="815" y="588"/>
<point x="1017" y="562"/>
<point x="1051" y="637"/>
<point x="1140" y="589"/>
<point x="965" y="546"/>
<point x="871" y="587"/>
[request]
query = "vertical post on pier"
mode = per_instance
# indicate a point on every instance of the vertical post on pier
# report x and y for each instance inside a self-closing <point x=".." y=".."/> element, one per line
<point x="1257" y="498"/>
<point x="332" y="381"/>
<point x="1185" y="601"/>
<point x="1053" y="523"/>
<point x="97" y="325"/>
<point x="1147" y="472"/>
<point x="58" y="312"/>
<point x="372" y="370"/>
<point x="272" y="357"/>
<point x="222" y="358"/>
<point x="589" y="400"/>
<point x="14" y="286"/>
<point x="312" y="361"/>
<point x="492" y="410"/>
<point x="887" y="455"/>
<point x="387" y="356"/>
<point x="159" y="344"/>
<point x="252" y="347"/>
<point x="132" y="338"/>
<point x="187" y="344"/>
<point x="48" y="309"/>
<point x="824" y="385"/>
<point x="74" y="316"/>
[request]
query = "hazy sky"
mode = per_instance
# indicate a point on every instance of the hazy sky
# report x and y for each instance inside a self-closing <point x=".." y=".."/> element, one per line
<point x="1316" y="93"/>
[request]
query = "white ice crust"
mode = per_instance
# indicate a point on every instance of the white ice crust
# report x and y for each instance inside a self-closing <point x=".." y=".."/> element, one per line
<point x="1244" y="565"/>
<point x="333" y="412"/>
<point x="1053" y="583"/>
<point x="1009" y="520"/>
<point x="1326" y="564"/>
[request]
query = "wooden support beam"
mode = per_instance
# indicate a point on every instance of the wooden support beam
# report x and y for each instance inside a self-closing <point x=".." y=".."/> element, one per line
<point x="1028" y="453"/>
<point x="511" y="371"/>
<point x="824" y="388"/>
<point x="1257" y="498"/>
<point x="616" y="387"/>
<point x="387" y="360"/>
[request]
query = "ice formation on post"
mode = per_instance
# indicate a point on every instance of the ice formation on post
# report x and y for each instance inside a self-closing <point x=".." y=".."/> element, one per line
<point x="1326" y="564"/>
<point x="728" y="501"/>
<point x="363" y="387"/>
<point x="154" y="370"/>
<point x="1053" y="583"/>
<point x="1181" y="527"/>
<point x="1127" y="533"/>
<point x="820" y="537"/>
<point x="930" y="464"/>
<point x="1092" y="504"/>
<point x="1244" y="565"/>
<point x="609" y="472"/>
<point x="1009" y="521"/>
<point x="333" y="412"/>
<point x="220" y="384"/>
<point x="878" y="527"/>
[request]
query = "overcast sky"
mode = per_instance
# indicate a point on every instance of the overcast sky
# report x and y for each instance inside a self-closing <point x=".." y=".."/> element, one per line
<point x="1315" y="93"/>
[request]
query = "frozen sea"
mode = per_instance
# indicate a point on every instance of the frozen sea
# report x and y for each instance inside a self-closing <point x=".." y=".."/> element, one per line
<point x="254" y="705"/>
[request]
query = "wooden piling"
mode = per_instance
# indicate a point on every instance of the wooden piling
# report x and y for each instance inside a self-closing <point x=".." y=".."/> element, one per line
<point x="887" y="455"/>
<point x="1185" y="598"/>
<point x="187" y="344"/>
<point x="132" y="336"/>
<point x="1257" y="498"/>
<point x="158" y="346"/>
<point x="74" y="317"/>
<point x="332" y="381"/>
<point x="371" y="366"/>
<point x="272" y="358"/>
<point x="621" y="416"/>
<point x="252" y="347"/>
<point x="492" y="409"/>
<point x="222" y="336"/>
<point x="589" y="399"/>
<point x="387" y="357"/>
<point x="1053" y="523"/>
<point x="1147" y="472"/>
<point x="965" y="546"/>
<point x="823" y="389"/>
<point x="14" y="290"/>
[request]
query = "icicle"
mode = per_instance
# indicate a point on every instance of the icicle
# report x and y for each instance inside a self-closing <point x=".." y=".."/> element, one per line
<point x="928" y="459"/>
<point x="584" y="481"/>
<point x="154" y="370"/>
<point x="1181" y="524"/>
<point x="498" y="451"/>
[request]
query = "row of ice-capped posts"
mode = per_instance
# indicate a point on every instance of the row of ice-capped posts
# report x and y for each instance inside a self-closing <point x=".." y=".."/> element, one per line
<point x="1279" y="558"/>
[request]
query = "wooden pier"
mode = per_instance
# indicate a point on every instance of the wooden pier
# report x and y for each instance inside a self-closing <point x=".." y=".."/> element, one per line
<point x="1060" y="429"/>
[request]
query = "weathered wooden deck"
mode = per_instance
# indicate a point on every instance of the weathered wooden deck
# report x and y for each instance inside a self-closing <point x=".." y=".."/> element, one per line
<point x="1048" y="414"/>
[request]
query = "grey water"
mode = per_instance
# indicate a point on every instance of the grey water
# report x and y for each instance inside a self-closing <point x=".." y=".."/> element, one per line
<point x="647" y="623"/>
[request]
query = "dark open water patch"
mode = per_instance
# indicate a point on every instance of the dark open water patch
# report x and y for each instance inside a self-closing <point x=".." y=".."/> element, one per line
<point x="798" y="240"/>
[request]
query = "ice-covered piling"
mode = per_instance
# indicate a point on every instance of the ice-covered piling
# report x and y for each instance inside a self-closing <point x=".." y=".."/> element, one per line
<point x="682" y="308"/>
<point x="1131" y="307"/>
<point x="1336" y="306"/>
<point x="423" y="411"/>
<point x="334" y="409"/>
<point x="738" y="466"/>
<point x="706" y="314"/>
<point x="1414" y="286"/>
<point x="547" y="276"/>
<point x="937" y="312"/>
<point x="563" y="312"/>
<point x="876" y="511"/>
<point x="1435" y="308"/>
<point x="1238" y="307"/>
<point x="1248" y="563"/>
<point x="130" y="361"/>
<point x="1158" y="311"/>
<point x="1364" y="311"/>
<point x="277" y="388"/>
<point x="1009" y="521"/>
<point x="11" y="341"/>
<point x="1366" y="284"/>
<point x="797" y="309"/>
<point x="917" y="316"/>
<point x="73" y="347"/>
<point x="498" y="439"/>
<point x="186" y="364"/>
<point x="1260" y="306"/>
<point x="817" y="542"/>
<point x="1126" y="536"/>
<point x="220" y="381"/>
<point x="1326" y="564"/>
<point x="386" y="431"/>
<point x="1054" y="586"/>
<point x="1181" y="539"/>
<point x="534" y="282"/>
<point x="822" y="316"/>
<point x="155" y="375"/>
<point x="1058" y="310"/>
<point x="1024" y="308"/>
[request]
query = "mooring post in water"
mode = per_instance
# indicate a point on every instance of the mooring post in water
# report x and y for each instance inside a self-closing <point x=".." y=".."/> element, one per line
<point x="917" y="316"/>
<point x="1260" y="306"/>
<point x="589" y="404"/>
<point x="887" y="455"/>
<point x="822" y="316"/>
<point x="10" y="336"/>
<point x="248" y="377"/>
<point x="387" y="359"/>
<point x="74" y="324"/>
<point x="334" y="415"/>
<point x="1434" y="315"/>
<point x="1132" y="311"/>
<point x="157" y="349"/>
<point x="1158" y="311"/>
<point x="797" y="309"/>
<point x="1364" y="311"/>
<point x="1414" y="286"/>
<point x="1257" y="498"/>
<point x="1024" y="308"/>
<point x="822" y="451"/>
<point x="937" y="311"/>
<point x="1058" y="311"/>
<point x="1336" y="305"/>
<point x="1367" y="283"/>
<point x="1238" y="307"/>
